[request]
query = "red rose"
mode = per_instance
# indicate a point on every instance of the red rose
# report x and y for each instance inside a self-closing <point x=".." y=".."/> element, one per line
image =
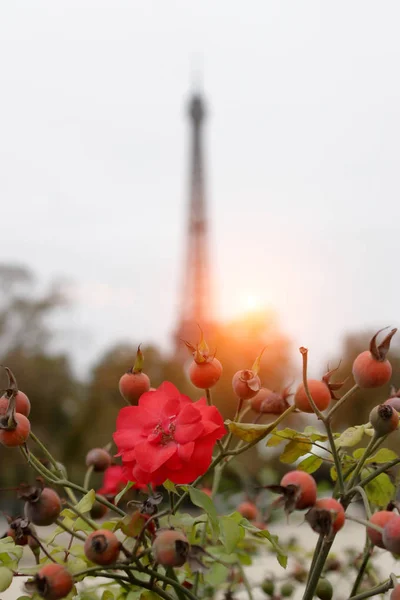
<point x="114" y="480"/>
<point x="167" y="436"/>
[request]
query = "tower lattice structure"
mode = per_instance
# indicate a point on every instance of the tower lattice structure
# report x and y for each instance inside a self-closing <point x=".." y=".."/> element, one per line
<point x="196" y="305"/>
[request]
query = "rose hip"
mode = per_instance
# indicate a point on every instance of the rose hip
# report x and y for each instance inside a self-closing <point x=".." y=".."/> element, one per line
<point x="170" y="548"/>
<point x="380" y="518"/>
<point x="248" y="510"/>
<point x="52" y="582"/>
<point x="319" y="392"/>
<point x="22" y="404"/>
<point x="102" y="547"/>
<point x="371" y="369"/>
<point x="304" y="488"/>
<point x="99" y="459"/>
<point x="18" y="435"/>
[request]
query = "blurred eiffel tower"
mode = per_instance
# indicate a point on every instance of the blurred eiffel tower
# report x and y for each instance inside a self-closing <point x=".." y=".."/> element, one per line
<point x="196" y="305"/>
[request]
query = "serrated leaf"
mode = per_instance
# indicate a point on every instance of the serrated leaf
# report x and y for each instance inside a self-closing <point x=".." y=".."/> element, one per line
<point x="248" y="432"/>
<point x="380" y="491"/>
<point x="231" y="533"/>
<point x="170" y="487"/>
<point x="6" y="577"/>
<point x="203" y="501"/>
<point x="310" y="464"/>
<point x="85" y="504"/>
<point x="122" y="492"/>
<point x="351" y="437"/>
<point x="294" y="449"/>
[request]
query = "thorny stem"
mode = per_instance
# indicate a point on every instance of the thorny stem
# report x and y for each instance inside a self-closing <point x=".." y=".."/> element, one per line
<point x="336" y="457"/>
<point x="368" y="549"/>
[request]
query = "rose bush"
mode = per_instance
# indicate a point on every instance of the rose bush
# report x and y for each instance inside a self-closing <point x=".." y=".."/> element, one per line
<point x="170" y="447"/>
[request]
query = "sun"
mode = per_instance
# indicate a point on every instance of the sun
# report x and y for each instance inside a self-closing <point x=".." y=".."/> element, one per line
<point x="252" y="302"/>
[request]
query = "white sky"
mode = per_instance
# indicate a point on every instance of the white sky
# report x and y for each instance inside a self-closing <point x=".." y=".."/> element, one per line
<point x="302" y="159"/>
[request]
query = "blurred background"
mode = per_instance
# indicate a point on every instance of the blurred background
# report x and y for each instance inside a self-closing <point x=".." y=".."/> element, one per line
<point x="232" y="164"/>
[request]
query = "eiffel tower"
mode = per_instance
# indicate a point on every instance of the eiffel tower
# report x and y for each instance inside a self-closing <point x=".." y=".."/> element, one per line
<point x="196" y="302"/>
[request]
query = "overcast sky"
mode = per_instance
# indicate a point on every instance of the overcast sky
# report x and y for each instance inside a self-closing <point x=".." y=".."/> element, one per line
<point x="303" y="158"/>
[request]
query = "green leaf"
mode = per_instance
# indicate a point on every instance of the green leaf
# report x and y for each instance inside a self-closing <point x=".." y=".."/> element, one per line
<point x="382" y="456"/>
<point x="203" y="501"/>
<point x="86" y="503"/>
<point x="310" y="464"/>
<point x="273" y="540"/>
<point x="217" y="574"/>
<point x="107" y="595"/>
<point x="76" y="565"/>
<point x="231" y="533"/>
<point x="81" y="525"/>
<point x="8" y="547"/>
<point x="6" y="577"/>
<point x="248" y="432"/>
<point x="350" y="437"/>
<point x="294" y="449"/>
<point x="314" y="434"/>
<point x="280" y="435"/>
<point x="170" y="487"/>
<point x="67" y="512"/>
<point x="122" y="492"/>
<point x="380" y="491"/>
<point x="110" y="525"/>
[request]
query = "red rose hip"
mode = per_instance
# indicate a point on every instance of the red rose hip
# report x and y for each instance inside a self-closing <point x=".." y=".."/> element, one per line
<point x="371" y="369"/>
<point x="22" y="404"/>
<point x="326" y="516"/>
<point x="248" y="510"/>
<point x="42" y="507"/>
<point x="99" y="459"/>
<point x="102" y="547"/>
<point x="205" y="374"/>
<point x="52" y="582"/>
<point x="380" y="518"/>
<point x="170" y="548"/>
<point x="18" y="435"/>
<point x="319" y="392"/>
<point x="391" y="535"/>
<point x="305" y="488"/>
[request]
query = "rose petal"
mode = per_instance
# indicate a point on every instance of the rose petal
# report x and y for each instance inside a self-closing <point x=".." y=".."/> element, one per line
<point x="150" y="457"/>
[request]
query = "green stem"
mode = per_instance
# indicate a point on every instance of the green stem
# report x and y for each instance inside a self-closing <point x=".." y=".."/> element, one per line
<point x="315" y="556"/>
<point x="362" y="460"/>
<point x="365" y="501"/>
<point x="377" y="472"/>
<point x="366" y="556"/>
<point x="336" y="458"/>
<point x="99" y="498"/>
<point x="87" y="520"/>
<point x="341" y="401"/>
<point x="88" y="475"/>
<point x="68" y="530"/>
<point x="317" y="570"/>
<point x="365" y="523"/>
<point x="375" y="591"/>
<point x="171" y="574"/>
<point x="208" y="396"/>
